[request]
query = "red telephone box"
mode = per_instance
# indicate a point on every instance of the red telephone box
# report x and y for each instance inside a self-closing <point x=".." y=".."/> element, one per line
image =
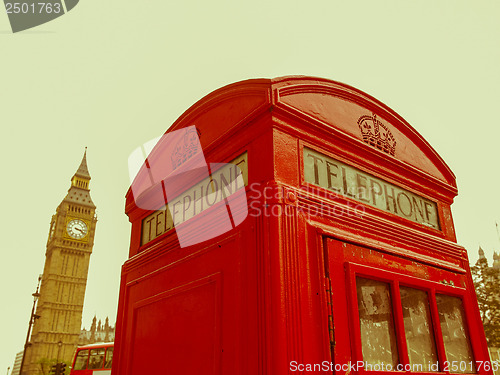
<point x="339" y="257"/>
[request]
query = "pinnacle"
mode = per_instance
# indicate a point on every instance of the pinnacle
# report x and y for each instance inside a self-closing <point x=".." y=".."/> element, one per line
<point x="82" y="169"/>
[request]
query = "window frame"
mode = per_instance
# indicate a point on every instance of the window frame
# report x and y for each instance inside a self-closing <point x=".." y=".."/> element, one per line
<point x="395" y="280"/>
<point x="106" y="361"/>
<point x="101" y="367"/>
<point x="86" y="362"/>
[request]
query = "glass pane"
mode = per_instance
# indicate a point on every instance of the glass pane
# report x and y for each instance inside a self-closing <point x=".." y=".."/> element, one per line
<point x="81" y="360"/>
<point x="109" y="358"/>
<point x="453" y="326"/>
<point x="378" y="338"/>
<point x="418" y="330"/>
<point x="96" y="358"/>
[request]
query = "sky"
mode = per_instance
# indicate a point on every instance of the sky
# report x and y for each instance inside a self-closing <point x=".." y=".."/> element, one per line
<point x="111" y="75"/>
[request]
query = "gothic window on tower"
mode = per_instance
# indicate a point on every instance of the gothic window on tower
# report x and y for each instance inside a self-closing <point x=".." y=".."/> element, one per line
<point x="52" y="230"/>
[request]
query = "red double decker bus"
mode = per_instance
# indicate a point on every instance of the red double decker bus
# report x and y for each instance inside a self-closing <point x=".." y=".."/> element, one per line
<point x="93" y="359"/>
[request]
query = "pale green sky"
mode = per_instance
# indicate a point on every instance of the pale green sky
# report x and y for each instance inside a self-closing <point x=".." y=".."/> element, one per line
<point x="113" y="74"/>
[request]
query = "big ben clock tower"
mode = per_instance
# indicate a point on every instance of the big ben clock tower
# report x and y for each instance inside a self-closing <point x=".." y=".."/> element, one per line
<point x="60" y="305"/>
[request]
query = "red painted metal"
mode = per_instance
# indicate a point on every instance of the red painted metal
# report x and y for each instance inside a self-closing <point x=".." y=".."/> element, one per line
<point x="280" y="287"/>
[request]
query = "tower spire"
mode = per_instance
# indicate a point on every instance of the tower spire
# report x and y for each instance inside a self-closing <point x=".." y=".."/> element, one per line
<point x="79" y="192"/>
<point x="83" y="171"/>
<point x="481" y="253"/>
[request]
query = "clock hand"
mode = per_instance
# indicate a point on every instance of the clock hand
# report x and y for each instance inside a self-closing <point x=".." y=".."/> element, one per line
<point x="81" y="231"/>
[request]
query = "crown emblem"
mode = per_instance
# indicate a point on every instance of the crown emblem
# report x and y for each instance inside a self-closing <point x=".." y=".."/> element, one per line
<point x="376" y="134"/>
<point x="186" y="147"/>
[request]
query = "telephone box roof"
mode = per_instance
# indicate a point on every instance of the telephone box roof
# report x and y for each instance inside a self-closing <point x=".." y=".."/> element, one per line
<point x="331" y="107"/>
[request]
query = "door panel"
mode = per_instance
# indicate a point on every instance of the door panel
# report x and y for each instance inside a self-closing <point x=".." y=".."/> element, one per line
<point x="395" y="314"/>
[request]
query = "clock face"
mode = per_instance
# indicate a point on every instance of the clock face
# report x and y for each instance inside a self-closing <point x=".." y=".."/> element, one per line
<point x="77" y="229"/>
